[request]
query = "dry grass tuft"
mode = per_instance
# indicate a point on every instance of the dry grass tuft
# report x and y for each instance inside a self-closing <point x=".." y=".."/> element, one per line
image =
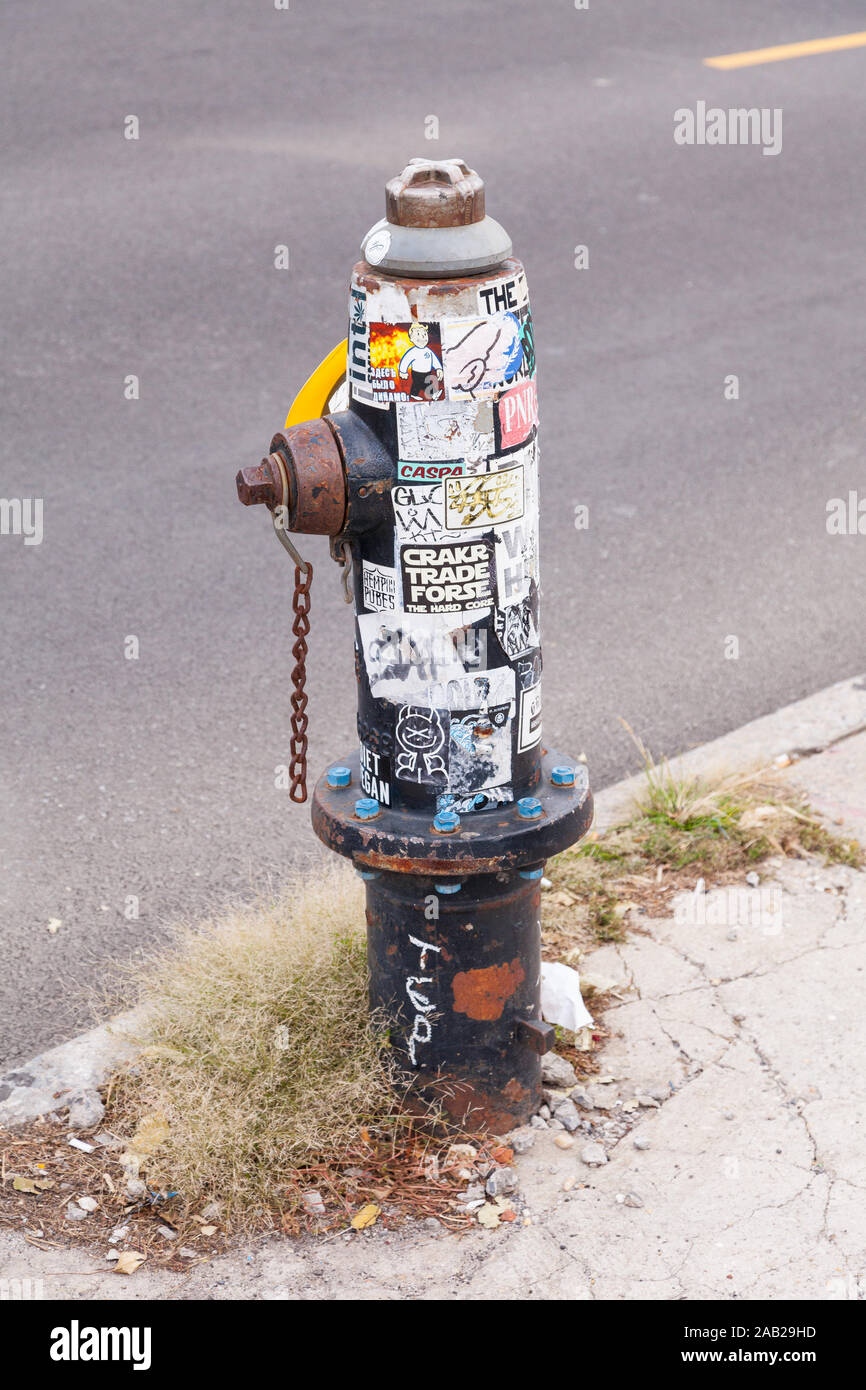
<point x="681" y="829"/>
<point x="261" y="1053"/>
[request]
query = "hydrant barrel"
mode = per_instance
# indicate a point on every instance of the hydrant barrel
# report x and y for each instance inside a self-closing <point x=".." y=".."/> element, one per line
<point x="452" y="802"/>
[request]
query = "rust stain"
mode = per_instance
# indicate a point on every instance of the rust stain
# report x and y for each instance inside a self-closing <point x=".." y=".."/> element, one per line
<point x="481" y="994"/>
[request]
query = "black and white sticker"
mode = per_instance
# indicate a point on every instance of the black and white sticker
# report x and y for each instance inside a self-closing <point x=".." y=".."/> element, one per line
<point x="450" y="578"/>
<point x="422" y="745"/>
<point x="529" y="723"/>
<point x="379" y="587"/>
<point x="375" y="775"/>
<point x="509" y="293"/>
<point x="419" y="511"/>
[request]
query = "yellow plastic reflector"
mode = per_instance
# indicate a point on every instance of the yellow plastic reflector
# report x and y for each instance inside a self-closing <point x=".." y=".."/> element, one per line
<point x="311" y="402"/>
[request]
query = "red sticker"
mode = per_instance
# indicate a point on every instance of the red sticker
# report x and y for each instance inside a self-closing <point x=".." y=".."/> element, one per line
<point x="517" y="413"/>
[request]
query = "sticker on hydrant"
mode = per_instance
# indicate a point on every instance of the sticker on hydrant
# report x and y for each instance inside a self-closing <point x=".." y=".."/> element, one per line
<point x="448" y="631"/>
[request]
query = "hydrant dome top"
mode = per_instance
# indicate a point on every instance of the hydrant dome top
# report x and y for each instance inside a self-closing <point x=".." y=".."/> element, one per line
<point x="435" y="193"/>
<point x="435" y="223"/>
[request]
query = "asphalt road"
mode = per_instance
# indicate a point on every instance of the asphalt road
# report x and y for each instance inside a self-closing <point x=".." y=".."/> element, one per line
<point x="155" y="777"/>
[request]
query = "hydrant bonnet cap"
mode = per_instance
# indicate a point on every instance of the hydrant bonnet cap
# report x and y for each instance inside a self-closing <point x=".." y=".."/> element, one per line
<point x="435" y="223"/>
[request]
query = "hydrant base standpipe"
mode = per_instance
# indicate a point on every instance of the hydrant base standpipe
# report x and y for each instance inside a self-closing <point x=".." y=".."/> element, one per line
<point x="451" y="804"/>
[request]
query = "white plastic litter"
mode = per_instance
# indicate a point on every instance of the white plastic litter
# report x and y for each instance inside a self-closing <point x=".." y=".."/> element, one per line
<point x="561" y="1000"/>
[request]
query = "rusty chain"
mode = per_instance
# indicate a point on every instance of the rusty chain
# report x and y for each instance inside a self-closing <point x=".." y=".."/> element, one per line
<point x="300" y="632"/>
<point x="300" y="720"/>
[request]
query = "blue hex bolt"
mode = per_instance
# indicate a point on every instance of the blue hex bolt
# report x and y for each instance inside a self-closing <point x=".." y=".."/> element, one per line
<point x="531" y="873"/>
<point x="529" y="807"/>
<point x="445" y="888"/>
<point x="562" y="776"/>
<point x="446" y="822"/>
<point x="339" y="777"/>
<point x="366" y="808"/>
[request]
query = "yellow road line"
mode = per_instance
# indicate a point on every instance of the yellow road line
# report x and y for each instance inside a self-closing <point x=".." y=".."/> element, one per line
<point x="787" y="50"/>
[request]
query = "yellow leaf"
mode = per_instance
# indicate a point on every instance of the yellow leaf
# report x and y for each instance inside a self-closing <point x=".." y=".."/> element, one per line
<point x="32" y="1184"/>
<point x="152" y="1131"/>
<point x="367" y="1216"/>
<point x="208" y="1230"/>
<point x="128" y="1262"/>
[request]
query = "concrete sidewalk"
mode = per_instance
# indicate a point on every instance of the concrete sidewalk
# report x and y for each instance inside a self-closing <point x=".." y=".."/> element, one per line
<point x="740" y="1172"/>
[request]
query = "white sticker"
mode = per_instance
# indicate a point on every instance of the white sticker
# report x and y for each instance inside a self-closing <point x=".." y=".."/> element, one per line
<point x="379" y="583"/>
<point x="445" y="430"/>
<point x="473" y="689"/>
<point x="377" y="246"/>
<point x="409" y="653"/>
<point x="419" y="511"/>
<point x="529" y="727"/>
<point x="481" y="355"/>
<point x="478" y="801"/>
<point x="516" y="559"/>
<point x="481" y="720"/>
<point x="484" y="499"/>
<point x="509" y="293"/>
<point x="516" y="628"/>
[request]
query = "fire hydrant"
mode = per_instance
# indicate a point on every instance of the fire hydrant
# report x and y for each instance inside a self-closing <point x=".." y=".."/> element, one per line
<point x="428" y="483"/>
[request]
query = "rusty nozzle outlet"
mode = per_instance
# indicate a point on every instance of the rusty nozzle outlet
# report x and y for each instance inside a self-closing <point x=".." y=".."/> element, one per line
<point x="262" y="484"/>
<point x="303" y="472"/>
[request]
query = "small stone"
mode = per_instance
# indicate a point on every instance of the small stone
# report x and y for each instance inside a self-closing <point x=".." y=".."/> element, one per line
<point x="521" y="1139"/>
<point x="187" y="1254"/>
<point x="753" y="879"/>
<point x="76" y="1213"/>
<point x="633" y="1200"/>
<point x="604" y="1099"/>
<point x="474" y="1192"/>
<point x="112" y="1254"/>
<point x="212" y="1212"/>
<point x="563" y="1141"/>
<point x="581" y="1097"/>
<point x="620" y="1197"/>
<point x="660" y="1093"/>
<point x="568" y="1184"/>
<point x="85" y="1110"/>
<point x="501" y="1182"/>
<point x="648" y="1102"/>
<point x="538" y="1123"/>
<point x="557" y="1071"/>
<point x="729" y="1115"/>
<point x="433" y="1226"/>
<point x="167" y="1232"/>
<point x="87" y="1203"/>
<point x="544" y="1112"/>
<point x="555" y="1098"/>
<point x="733" y="935"/>
<point x="136" y="1188"/>
<point x="555" y="1124"/>
<point x="641" y="1142"/>
<point x="314" y="1203"/>
<point x="460" y="1154"/>
<point x="546" y="885"/>
<point x="568" y="1116"/>
<point x="593" y="1155"/>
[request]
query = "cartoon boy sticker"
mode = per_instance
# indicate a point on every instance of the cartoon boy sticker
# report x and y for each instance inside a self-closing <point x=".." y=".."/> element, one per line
<point x="421" y="365"/>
